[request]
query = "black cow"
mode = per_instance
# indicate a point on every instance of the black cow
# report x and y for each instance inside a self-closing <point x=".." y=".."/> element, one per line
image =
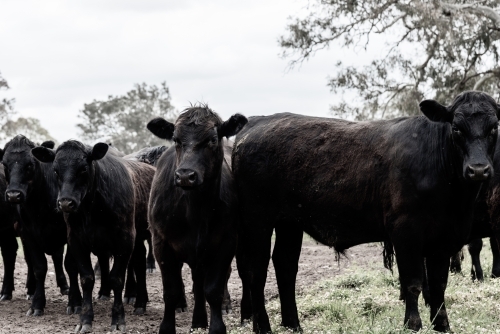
<point x="8" y="241"/>
<point x="149" y="155"/>
<point x="104" y="199"/>
<point x="31" y="187"/>
<point x="192" y="212"/>
<point x="412" y="180"/>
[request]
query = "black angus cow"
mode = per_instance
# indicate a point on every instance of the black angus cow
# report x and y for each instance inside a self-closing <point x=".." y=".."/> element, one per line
<point x="148" y="155"/>
<point x="31" y="187"/>
<point x="104" y="201"/>
<point x="412" y="180"/>
<point x="192" y="212"/>
<point x="8" y="241"/>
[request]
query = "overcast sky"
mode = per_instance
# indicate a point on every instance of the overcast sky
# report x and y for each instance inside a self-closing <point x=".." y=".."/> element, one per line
<point x="58" y="55"/>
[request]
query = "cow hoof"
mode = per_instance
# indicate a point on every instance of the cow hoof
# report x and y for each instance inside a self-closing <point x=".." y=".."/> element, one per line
<point x="129" y="300"/>
<point x="227" y="309"/>
<point x="34" y="312"/>
<point x="103" y="297"/>
<point x="29" y="297"/>
<point x="120" y="328"/>
<point x="181" y="309"/>
<point x="64" y="291"/>
<point x="246" y="322"/>
<point x="73" y="310"/>
<point x="140" y="311"/>
<point x="87" y="328"/>
<point x="5" y="297"/>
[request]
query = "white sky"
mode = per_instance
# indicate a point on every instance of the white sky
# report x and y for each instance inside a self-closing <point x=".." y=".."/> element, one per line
<point x="58" y="55"/>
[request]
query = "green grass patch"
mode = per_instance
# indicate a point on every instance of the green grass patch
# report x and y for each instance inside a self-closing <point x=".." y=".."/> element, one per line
<point x="366" y="300"/>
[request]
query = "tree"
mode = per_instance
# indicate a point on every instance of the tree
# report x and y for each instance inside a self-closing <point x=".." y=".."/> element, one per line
<point x="121" y="120"/>
<point x="434" y="49"/>
<point x="6" y="105"/>
<point x="29" y="127"/>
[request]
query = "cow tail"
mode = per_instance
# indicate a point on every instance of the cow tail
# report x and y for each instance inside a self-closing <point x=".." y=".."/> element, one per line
<point x="388" y="255"/>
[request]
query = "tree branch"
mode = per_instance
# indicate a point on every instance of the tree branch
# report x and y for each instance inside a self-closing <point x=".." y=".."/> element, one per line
<point x="475" y="8"/>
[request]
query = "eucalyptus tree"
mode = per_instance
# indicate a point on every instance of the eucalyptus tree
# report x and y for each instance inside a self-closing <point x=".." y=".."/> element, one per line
<point x="432" y="48"/>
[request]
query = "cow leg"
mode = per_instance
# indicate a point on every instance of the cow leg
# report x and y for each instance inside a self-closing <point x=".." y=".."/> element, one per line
<point x="173" y="288"/>
<point x="456" y="262"/>
<point x="475" y="247"/>
<point x="246" y="299"/>
<point x="437" y="272"/>
<point x="258" y="255"/>
<point x="74" y="295"/>
<point x="105" y="290"/>
<point x="117" y="277"/>
<point x="9" y="246"/>
<point x="495" y="271"/>
<point x="425" y="286"/>
<point x="130" y="295"/>
<point x="87" y="280"/>
<point x="182" y="304"/>
<point x="30" y="277"/>
<point x="200" y="319"/>
<point x="411" y="273"/>
<point x="139" y="261"/>
<point x="39" y="262"/>
<point x="226" y="302"/>
<point x="150" y="261"/>
<point x="286" y="255"/>
<point x="97" y="269"/>
<point x="62" y="283"/>
<point x="216" y="281"/>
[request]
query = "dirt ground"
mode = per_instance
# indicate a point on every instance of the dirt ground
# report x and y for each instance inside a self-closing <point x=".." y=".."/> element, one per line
<point x="317" y="262"/>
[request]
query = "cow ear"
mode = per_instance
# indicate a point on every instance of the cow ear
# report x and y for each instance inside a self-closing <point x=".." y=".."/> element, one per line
<point x="99" y="151"/>
<point x="1" y="154"/>
<point x="43" y="154"/>
<point x="232" y="126"/>
<point x="48" y="144"/>
<point x="435" y="111"/>
<point x="161" y="128"/>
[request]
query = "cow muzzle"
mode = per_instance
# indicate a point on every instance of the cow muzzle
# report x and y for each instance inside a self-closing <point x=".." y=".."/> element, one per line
<point x="186" y="178"/>
<point x="14" y="196"/>
<point x="67" y="205"/>
<point x="478" y="172"/>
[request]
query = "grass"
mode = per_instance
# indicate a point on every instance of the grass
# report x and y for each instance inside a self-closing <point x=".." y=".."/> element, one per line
<point x="365" y="300"/>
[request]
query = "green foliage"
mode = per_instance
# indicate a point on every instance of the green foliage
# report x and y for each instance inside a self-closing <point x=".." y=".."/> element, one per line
<point x="29" y="127"/>
<point x="434" y="49"/>
<point x="121" y="120"/>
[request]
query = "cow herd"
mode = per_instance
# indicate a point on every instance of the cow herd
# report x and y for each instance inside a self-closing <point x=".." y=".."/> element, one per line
<point x="423" y="185"/>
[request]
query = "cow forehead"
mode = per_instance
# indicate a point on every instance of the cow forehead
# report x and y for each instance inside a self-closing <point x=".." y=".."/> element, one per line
<point x="196" y="130"/>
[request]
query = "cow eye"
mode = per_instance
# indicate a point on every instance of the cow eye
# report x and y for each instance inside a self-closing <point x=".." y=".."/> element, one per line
<point x="56" y="172"/>
<point x="456" y="130"/>
<point x="213" y="141"/>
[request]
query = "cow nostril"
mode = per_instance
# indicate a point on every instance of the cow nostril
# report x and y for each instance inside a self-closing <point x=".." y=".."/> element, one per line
<point x="470" y="170"/>
<point x="192" y="176"/>
<point x="486" y="170"/>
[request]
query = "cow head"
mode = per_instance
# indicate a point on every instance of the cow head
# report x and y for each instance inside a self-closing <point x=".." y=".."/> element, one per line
<point x="473" y="117"/>
<point x="20" y="168"/>
<point x="197" y="135"/>
<point x="73" y="164"/>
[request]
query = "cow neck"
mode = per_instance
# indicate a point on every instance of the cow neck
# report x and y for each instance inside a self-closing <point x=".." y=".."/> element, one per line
<point x="448" y="161"/>
<point x="206" y="196"/>
<point x="88" y="200"/>
<point x="40" y="188"/>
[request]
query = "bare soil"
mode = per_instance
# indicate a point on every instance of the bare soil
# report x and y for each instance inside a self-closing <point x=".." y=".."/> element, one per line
<point x="317" y="262"/>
